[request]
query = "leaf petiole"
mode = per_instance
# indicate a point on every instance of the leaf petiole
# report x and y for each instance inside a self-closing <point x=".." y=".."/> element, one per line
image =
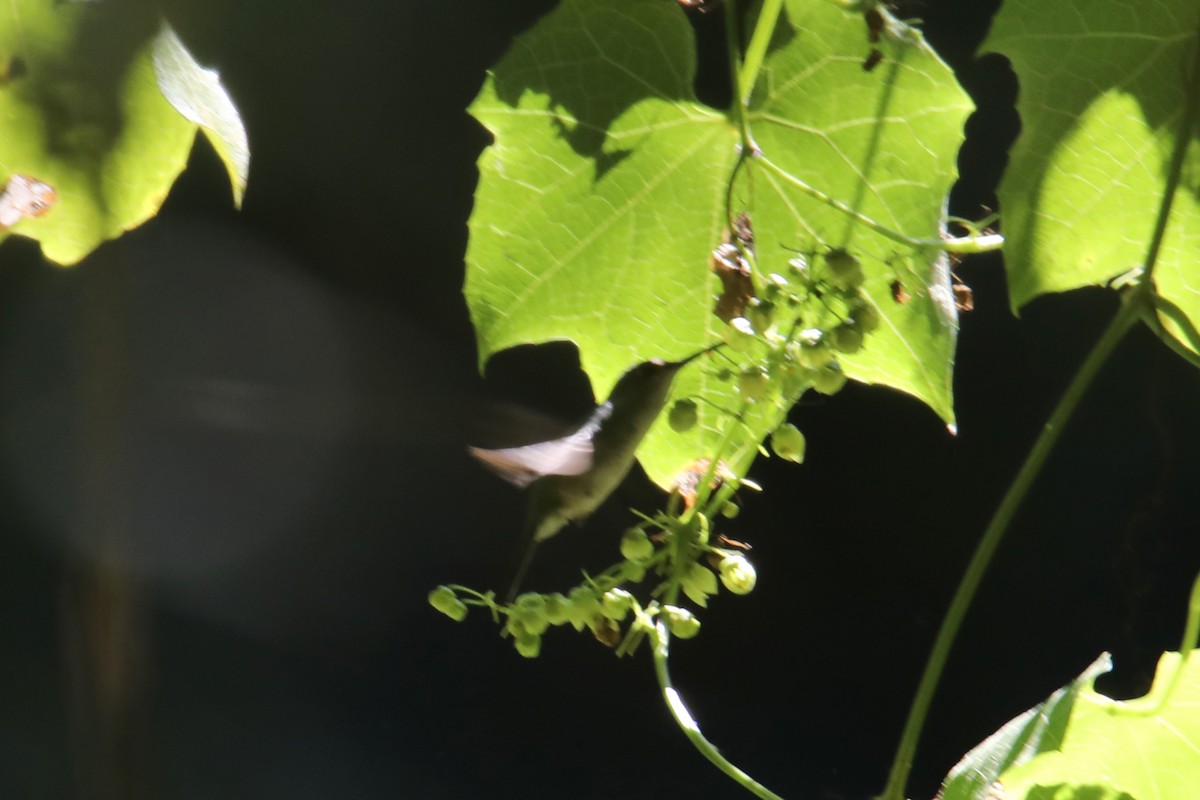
<point x="756" y="50"/>
<point x="958" y="244"/>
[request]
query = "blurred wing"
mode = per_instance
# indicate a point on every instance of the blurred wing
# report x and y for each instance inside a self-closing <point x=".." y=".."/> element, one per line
<point x="521" y="466"/>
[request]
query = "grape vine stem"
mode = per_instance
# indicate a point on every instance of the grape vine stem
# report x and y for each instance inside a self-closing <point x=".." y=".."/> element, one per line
<point x="661" y="650"/>
<point x="1128" y="314"/>
<point x="1139" y="301"/>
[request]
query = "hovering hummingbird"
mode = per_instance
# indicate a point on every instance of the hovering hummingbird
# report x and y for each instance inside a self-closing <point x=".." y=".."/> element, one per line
<point x="569" y="477"/>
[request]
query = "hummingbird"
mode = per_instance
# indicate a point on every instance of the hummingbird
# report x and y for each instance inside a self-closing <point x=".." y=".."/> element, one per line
<point x="569" y="477"/>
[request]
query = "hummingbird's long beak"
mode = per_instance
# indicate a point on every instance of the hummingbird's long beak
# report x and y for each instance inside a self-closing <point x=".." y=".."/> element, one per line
<point x="698" y="353"/>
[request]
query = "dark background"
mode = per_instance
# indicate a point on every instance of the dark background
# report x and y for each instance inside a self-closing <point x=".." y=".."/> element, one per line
<point x="232" y="467"/>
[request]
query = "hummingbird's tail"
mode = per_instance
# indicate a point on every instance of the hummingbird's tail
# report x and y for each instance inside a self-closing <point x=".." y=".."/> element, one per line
<point x="522" y="568"/>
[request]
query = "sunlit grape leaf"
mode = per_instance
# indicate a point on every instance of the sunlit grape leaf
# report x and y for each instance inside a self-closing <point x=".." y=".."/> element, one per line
<point x="1038" y="730"/>
<point x="198" y="95"/>
<point x="1142" y="749"/>
<point x="1102" y="89"/>
<point x="884" y="143"/>
<point x="604" y="193"/>
<point x="82" y="110"/>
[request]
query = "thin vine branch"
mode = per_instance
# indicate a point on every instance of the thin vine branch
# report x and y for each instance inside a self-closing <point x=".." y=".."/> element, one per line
<point x="967" y="245"/>
<point x="756" y="50"/>
<point x="661" y="650"/>
<point x="1130" y="310"/>
<point x="733" y="46"/>
<point x="747" y="147"/>
<point x="1191" y="628"/>
<point x="1178" y="156"/>
<point x="1139" y="301"/>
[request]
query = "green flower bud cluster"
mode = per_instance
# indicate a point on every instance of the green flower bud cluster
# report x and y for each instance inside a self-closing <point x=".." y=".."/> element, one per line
<point x="735" y="571"/>
<point x="680" y="552"/>
<point x="802" y="324"/>
<point x="531" y="614"/>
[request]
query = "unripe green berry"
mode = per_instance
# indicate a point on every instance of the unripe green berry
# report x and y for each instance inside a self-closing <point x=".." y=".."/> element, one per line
<point x="607" y="632"/>
<point x="811" y="350"/>
<point x="681" y="622"/>
<point x="865" y="315"/>
<point x="799" y="266"/>
<point x="846" y="338"/>
<point x="753" y="383"/>
<point x="530" y="611"/>
<point x="795" y="383"/>
<point x="760" y="313"/>
<point x="738" y="574"/>
<point x="845" y="271"/>
<point x="529" y="645"/>
<point x="636" y="545"/>
<point x="633" y="572"/>
<point x="582" y="606"/>
<point x="616" y="604"/>
<point x="818" y="356"/>
<point x="830" y="379"/>
<point x="530" y="600"/>
<point x="557" y="608"/>
<point x="788" y="443"/>
<point x="446" y="601"/>
<point x="535" y="624"/>
<point x="809" y="337"/>
<point x="683" y="415"/>
<point x="730" y="510"/>
<point x="739" y="335"/>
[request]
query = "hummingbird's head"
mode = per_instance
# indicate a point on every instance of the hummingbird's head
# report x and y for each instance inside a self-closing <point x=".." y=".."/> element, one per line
<point x="646" y="382"/>
<point x="649" y="381"/>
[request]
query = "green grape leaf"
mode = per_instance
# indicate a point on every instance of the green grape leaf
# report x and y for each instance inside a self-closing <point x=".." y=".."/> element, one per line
<point x="1148" y="749"/>
<point x="883" y="143"/>
<point x="604" y="194"/>
<point x="197" y="94"/>
<point x="1038" y="730"/>
<point x="1102" y="93"/>
<point x="84" y="112"/>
